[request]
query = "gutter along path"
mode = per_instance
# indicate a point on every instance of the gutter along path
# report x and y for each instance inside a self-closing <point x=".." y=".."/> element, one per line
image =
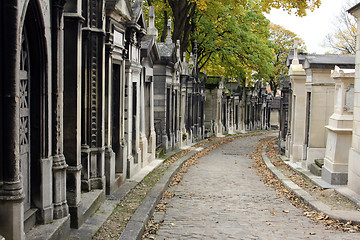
<point x="223" y="197"/>
<point x="326" y="202"/>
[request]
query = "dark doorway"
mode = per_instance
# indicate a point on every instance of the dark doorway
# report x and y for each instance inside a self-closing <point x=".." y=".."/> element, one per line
<point x="32" y="117"/>
<point x="116" y="118"/>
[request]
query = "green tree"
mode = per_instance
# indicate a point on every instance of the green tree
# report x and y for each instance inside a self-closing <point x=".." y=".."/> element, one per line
<point x="299" y="6"/>
<point x="184" y="13"/>
<point x="282" y="42"/>
<point x="233" y="40"/>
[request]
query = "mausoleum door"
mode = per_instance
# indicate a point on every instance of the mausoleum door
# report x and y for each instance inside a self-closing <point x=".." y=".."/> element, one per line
<point x="24" y="118"/>
<point x="135" y="130"/>
<point x="116" y="117"/>
<point x="308" y="111"/>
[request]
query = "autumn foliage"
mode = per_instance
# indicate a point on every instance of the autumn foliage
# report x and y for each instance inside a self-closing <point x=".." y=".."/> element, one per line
<point x="233" y="36"/>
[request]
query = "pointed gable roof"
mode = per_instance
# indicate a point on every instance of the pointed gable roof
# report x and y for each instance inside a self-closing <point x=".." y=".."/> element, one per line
<point x="138" y="14"/>
<point x="120" y="7"/>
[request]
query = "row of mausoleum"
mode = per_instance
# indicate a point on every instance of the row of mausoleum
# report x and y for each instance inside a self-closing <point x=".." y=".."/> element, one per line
<point x="231" y="108"/>
<point x="319" y="116"/>
<point x="88" y="96"/>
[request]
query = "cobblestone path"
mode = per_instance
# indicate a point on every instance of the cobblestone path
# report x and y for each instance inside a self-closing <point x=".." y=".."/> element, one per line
<point x="222" y="197"/>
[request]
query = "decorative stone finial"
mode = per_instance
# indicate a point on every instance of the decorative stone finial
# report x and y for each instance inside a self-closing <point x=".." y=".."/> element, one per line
<point x="168" y="37"/>
<point x="178" y="49"/>
<point x="152" y="31"/>
<point x="151" y="17"/>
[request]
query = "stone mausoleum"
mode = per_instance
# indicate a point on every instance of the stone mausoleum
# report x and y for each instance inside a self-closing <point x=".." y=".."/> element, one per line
<point x="85" y="85"/>
<point x="319" y="117"/>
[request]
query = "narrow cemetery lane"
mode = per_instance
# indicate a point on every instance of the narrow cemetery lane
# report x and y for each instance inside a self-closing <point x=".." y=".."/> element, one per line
<point x="222" y="197"/>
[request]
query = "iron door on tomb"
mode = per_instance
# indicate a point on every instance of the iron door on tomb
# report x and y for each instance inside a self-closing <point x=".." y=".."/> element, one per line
<point x="24" y="124"/>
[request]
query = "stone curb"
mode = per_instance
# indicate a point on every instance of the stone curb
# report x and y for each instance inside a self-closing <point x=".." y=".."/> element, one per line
<point x="340" y="215"/>
<point x="136" y="226"/>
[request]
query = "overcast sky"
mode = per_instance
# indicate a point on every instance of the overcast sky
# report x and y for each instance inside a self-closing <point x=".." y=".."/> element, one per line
<point x="314" y="27"/>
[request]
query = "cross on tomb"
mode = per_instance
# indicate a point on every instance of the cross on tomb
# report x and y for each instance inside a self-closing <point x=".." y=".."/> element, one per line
<point x="295" y="60"/>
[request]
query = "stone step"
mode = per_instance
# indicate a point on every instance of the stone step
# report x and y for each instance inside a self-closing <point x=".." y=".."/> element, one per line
<point x="29" y="219"/>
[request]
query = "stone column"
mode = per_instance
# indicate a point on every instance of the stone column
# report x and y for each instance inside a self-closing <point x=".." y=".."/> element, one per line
<point x="297" y="78"/>
<point x="173" y="117"/>
<point x="196" y="110"/>
<point x="219" y="110"/>
<point x="177" y="116"/>
<point x="11" y="191"/>
<point x="72" y="104"/>
<point x="93" y="104"/>
<point x="190" y="107"/>
<point x="166" y="123"/>
<point x="128" y="119"/>
<point x="152" y="140"/>
<point x="178" y="112"/>
<point x="143" y="140"/>
<point x="109" y="88"/>
<point x="248" y="110"/>
<point x="59" y="164"/>
<point x="335" y="166"/>
<point x="137" y="117"/>
<point x="170" y="117"/>
<point x="182" y="110"/>
<point x="231" y="115"/>
<point x="202" y="111"/>
<point x="124" y="145"/>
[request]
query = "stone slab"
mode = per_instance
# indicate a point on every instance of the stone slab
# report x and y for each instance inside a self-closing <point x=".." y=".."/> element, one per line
<point x="57" y="229"/>
<point x="315" y="169"/>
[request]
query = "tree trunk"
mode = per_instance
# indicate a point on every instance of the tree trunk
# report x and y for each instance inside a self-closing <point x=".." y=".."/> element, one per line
<point x="183" y="12"/>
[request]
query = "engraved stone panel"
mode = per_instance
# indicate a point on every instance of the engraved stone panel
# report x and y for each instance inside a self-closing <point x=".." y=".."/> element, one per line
<point x="118" y="38"/>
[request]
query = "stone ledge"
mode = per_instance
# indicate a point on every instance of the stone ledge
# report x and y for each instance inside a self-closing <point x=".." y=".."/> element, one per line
<point x="342" y="216"/>
<point x="90" y="202"/>
<point x="350" y="194"/>
<point x="58" y="229"/>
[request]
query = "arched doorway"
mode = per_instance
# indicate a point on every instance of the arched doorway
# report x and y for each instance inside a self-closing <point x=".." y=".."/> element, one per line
<point x="32" y="112"/>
